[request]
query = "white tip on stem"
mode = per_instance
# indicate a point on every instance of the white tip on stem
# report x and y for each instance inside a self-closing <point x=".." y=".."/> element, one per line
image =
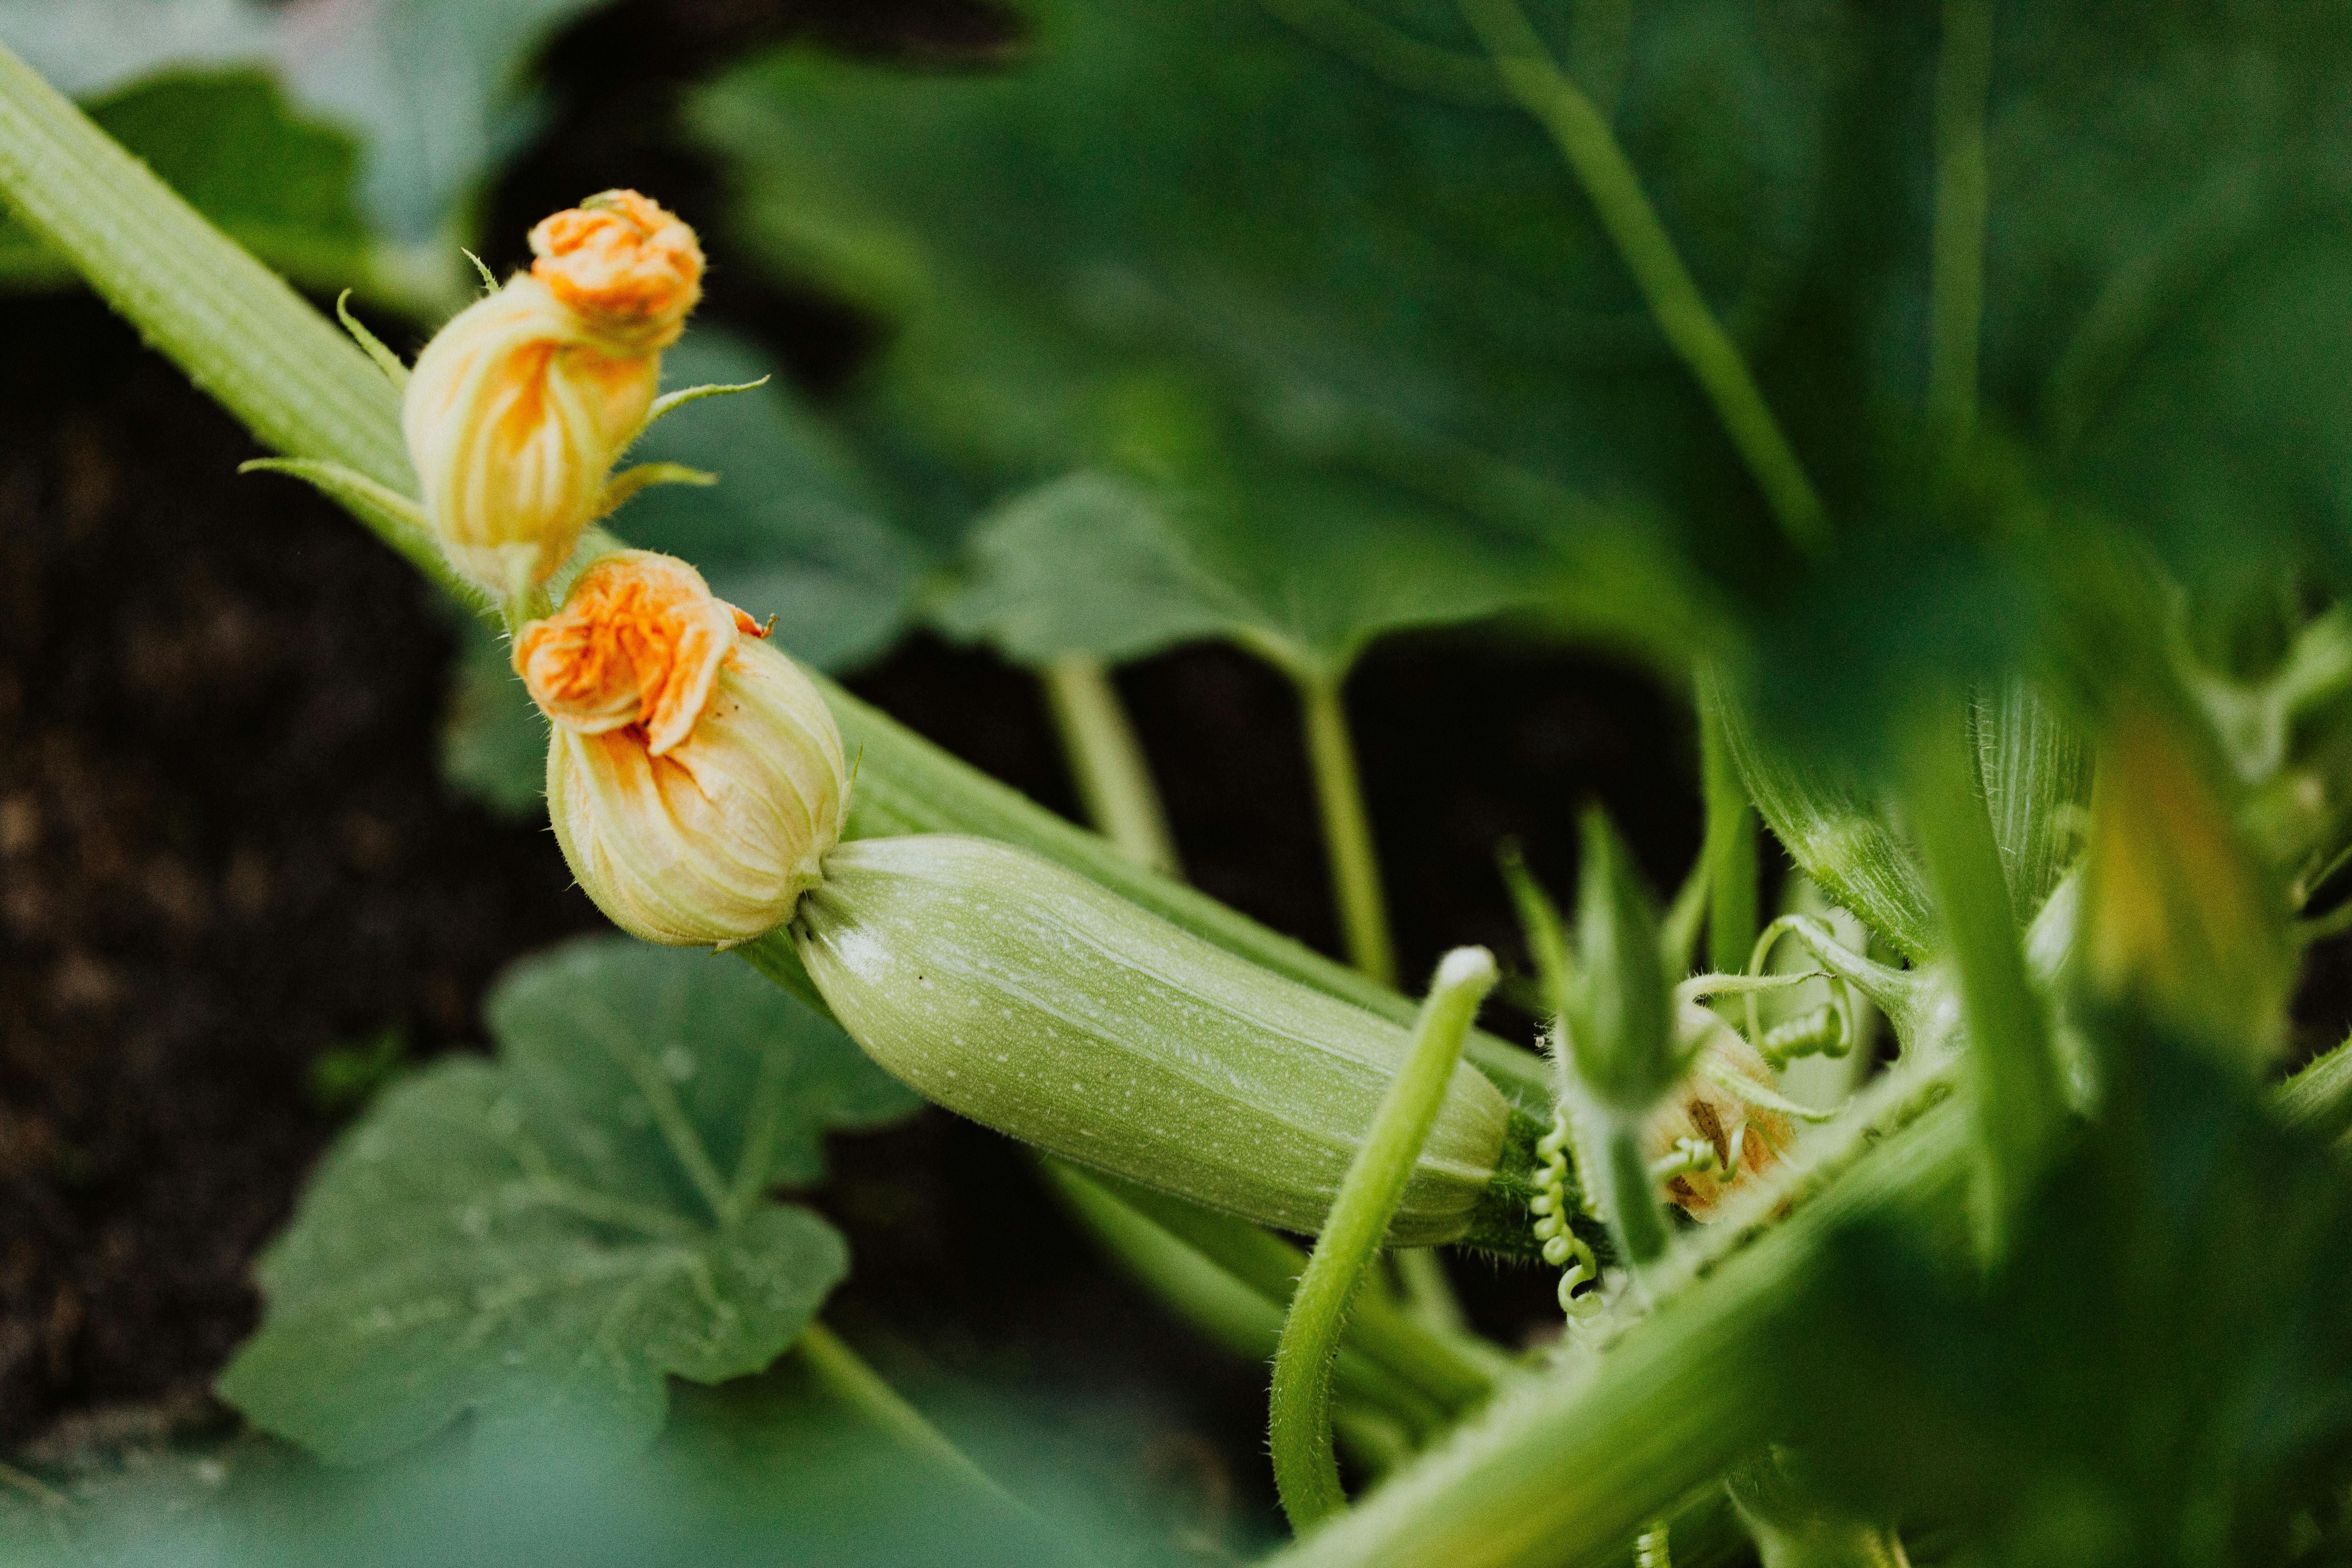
<point x="1464" y="966"/>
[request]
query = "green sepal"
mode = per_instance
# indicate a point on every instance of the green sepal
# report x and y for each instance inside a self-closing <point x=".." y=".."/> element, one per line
<point x="1620" y="1031"/>
<point x="644" y="477"/>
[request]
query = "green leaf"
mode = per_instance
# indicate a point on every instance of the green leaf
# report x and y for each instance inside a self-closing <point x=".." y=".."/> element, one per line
<point x="1103" y="564"/>
<point x="544" y="1240"/>
<point x="337" y="143"/>
<point x="493" y="737"/>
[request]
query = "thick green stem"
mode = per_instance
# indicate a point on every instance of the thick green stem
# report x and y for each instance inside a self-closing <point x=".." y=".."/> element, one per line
<point x="1682" y="313"/>
<point x="1576" y="1465"/>
<point x="846" y="1374"/>
<point x="1306" y="1473"/>
<point x="1730" y="848"/>
<point x="2020" y="1099"/>
<point x="1106" y="762"/>
<point x="1347" y="830"/>
<point x="1956" y="278"/>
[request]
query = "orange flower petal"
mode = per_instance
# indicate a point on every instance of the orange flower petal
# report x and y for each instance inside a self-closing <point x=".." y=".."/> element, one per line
<point x="627" y="265"/>
<point x="640" y="640"/>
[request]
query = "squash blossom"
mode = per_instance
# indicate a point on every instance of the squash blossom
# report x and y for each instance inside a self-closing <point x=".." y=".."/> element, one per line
<point x="694" y="775"/>
<point x="1716" y="1113"/>
<point x="518" y="408"/>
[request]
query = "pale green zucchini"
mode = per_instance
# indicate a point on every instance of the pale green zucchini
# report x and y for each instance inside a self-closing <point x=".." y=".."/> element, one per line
<point x="1028" y="999"/>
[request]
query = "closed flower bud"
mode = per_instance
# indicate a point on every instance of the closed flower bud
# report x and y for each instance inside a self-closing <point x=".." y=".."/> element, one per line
<point x="693" y="775"/>
<point x="518" y="408"/>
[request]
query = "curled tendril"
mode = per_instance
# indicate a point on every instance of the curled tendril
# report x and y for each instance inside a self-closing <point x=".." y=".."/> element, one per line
<point x="1832" y="1037"/>
<point x="1700" y="1157"/>
<point x="1562" y="1247"/>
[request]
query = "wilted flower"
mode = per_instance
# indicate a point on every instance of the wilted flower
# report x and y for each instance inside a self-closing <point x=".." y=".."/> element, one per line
<point x="518" y="408"/>
<point x="694" y="775"/>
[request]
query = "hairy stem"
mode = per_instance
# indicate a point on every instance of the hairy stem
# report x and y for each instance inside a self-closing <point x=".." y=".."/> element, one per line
<point x="1579" y="1464"/>
<point x="1306" y="1473"/>
<point x="1955" y="278"/>
<point x="1682" y="313"/>
<point x="1347" y="830"/>
<point x="843" y="1372"/>
<point x="1106" y="761"/>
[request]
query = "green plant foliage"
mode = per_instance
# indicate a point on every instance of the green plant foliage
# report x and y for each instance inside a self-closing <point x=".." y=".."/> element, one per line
<point x="1100" y="564"/>
<point x="2158" y="1376"/>
<point x="336" y="141"/>
<point x="543" y="1240"/>
<point x="1285" y="250"/>
<point x="1193" y="244"/>
<point x="795" y="528"/>
<point x="776" y="1468"/>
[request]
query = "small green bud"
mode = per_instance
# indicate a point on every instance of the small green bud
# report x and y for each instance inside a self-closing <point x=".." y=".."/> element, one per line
<point x="1620" y="1027"/>
<point x="1032" y="1001"/>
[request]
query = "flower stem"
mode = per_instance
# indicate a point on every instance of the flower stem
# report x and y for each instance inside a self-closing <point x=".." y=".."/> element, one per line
<point x="1106" y="761"/>
<point x="1956" y="280"/>
<point x="1306" y="1474"/>
<point x="843" y="1372"/>
<point x="1682" y="313"/>
<point x="1346" y="829"/>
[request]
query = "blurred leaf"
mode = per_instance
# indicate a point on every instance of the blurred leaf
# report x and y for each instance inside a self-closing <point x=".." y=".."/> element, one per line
<point x="544" y="1240"/>
<point x="1099" y="564"/>
<point x="766" y="1471"/>
<point x="2158" y="1374"/>
<point x="279" y="183"/>
<point x="493" y="737"/>
<point x="1159" y="238"/>
<point x="1194" y="244"/>
<point x="794" y="529"/>
<point x="2178" y="916"/>
<point x="425" y="97"/>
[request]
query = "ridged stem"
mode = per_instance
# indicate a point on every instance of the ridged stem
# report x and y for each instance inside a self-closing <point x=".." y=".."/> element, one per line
<point x="1305" y="1472"/>
<point x="1682" y="313"/>
<point x="1106" y="762"/>
<point x="1347" y="830"/>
